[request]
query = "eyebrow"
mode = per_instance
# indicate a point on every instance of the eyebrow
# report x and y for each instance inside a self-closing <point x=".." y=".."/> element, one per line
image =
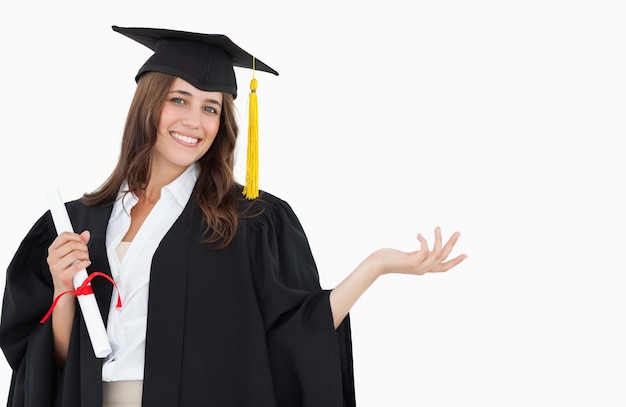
<point x="185" y="93"/>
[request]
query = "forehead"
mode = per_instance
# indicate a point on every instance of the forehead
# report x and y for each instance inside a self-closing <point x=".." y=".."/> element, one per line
<point x="180" y="84"/>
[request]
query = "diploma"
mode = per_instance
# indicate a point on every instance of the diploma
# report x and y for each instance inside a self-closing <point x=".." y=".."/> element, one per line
<point x="88" y="304"/>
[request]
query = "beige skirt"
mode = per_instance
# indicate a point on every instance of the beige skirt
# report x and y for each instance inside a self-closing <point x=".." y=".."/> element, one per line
<point x="122" y="394"/>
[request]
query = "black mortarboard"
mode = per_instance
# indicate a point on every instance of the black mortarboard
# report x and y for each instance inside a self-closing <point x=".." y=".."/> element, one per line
<point x="204" y="60"/>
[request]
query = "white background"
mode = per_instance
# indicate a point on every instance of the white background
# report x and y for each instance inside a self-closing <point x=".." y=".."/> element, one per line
<point x="501" y="119"/>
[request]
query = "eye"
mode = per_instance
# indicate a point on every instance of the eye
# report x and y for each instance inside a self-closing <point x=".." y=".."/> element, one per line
<point x="178" y="101"/>
<point x="210" y="109"/>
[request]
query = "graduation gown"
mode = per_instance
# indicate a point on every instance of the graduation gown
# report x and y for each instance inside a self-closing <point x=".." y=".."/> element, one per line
<point x="248" y="325"/>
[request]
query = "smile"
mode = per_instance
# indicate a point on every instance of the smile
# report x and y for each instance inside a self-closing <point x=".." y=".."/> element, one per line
<point x="185" y="139"/>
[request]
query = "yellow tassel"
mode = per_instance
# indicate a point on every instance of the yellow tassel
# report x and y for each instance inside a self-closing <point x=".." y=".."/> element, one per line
<point x="251" y="188"/>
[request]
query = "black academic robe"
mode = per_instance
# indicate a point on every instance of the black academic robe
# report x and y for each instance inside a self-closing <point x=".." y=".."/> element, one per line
<point x="248" y="325"/>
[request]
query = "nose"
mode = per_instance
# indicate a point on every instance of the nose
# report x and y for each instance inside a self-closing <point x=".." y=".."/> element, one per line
<point x="191" y="119"/>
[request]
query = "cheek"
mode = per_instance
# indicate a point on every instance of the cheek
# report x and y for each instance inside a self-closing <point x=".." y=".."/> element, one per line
<point x="164" y="121"/>
<point x="212" y="127"/>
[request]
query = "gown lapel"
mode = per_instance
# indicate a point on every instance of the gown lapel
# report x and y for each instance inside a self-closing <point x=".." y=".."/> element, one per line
<point x="166" y="311"/>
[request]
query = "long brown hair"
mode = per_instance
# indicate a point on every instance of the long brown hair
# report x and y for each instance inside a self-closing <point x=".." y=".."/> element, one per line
<point x="214" y="191"/>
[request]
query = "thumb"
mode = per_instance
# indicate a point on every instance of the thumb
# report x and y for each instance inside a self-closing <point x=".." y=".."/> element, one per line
<point x="85" y="236"/>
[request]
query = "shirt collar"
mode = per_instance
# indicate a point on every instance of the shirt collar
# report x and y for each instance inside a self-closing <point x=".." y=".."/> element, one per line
<point x="181" y="189"/>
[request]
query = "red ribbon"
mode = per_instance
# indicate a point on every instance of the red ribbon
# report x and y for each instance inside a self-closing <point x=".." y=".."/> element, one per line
<point x="84" y="289"/>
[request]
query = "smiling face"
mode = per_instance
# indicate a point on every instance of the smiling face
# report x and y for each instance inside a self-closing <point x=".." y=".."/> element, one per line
<point x="189" y="122"/>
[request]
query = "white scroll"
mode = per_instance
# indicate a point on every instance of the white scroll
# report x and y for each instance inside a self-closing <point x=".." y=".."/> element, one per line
<point x="88" y="304"/>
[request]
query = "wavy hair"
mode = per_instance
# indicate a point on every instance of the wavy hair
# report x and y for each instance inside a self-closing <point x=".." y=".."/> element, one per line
<point x="214" y="192"/>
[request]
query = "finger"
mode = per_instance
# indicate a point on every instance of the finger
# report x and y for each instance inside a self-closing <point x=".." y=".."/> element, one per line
<point x="450" y="244"/>
<point x="450" y="263"/>
<point x="72" y="262"/>
<point x="424" y="243"/>
<point x="75" y="257"/>
<point x="437" y="246"/>
<point x="61" y="258"/>
<point x="78" y="265"/>
<point x="85" y="236"/>
<point x="63" y="238"/>
<point x="72" y="268"/>
<point x="56" y="251"/>
<point x="66" y="249"/>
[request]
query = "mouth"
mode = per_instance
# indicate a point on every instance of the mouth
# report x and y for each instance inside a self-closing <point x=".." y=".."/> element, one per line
<point x="186" y="140"/>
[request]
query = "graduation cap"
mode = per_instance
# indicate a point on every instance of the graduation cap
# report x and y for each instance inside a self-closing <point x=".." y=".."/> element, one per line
<point x="206" y="61"/>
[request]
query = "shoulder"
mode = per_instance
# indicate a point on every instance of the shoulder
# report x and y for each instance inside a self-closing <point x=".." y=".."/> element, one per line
<point x="87" y="215"/>
<point x="44" y="228"/>
<point x="269" y="227"/>
<point x="272" y="202"/>
<point x="268" y="211"/>
<point x="44" y="231"/>
<point x="266" y="205"/>
<point x="76" y="205"/>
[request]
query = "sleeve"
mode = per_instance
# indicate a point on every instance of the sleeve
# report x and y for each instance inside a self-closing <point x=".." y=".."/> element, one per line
<point x="27" y="344"/>
<point x="311" y="361"/>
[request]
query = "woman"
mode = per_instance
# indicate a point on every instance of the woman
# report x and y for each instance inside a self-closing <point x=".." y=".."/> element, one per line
<point x="221" y="298"/>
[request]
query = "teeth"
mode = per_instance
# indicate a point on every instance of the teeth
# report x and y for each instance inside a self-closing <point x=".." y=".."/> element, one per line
<point x="185" y="139"/>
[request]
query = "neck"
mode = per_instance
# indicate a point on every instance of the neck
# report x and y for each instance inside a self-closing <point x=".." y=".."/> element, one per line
<point x="160" y="177"/>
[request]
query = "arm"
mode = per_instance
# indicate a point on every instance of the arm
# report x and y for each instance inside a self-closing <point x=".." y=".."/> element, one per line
<point x="385" y="261"/>
<point x="67" y="255"/>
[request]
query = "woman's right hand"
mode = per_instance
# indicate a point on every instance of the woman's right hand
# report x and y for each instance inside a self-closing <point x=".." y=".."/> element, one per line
<point x="67" y="255"/>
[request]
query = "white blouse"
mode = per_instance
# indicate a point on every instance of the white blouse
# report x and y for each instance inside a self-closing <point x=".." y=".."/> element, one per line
<point x="126" y="326"/>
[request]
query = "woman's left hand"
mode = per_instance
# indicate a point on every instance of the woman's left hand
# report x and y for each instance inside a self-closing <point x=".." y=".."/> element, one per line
<point x="386" y="261"/>
<point x="418" y="262"/>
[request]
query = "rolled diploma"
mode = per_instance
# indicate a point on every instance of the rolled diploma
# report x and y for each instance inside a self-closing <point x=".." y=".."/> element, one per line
<point x="88" y="304"/>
